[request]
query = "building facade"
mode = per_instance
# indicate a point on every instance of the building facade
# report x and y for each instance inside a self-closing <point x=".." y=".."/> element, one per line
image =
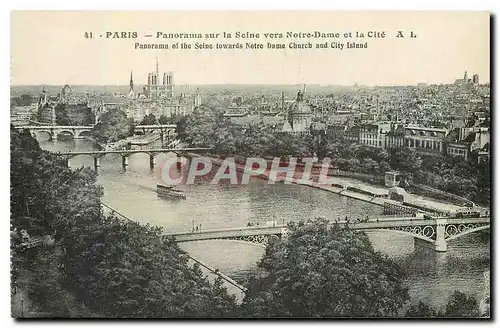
<point x="299" y="116"/>
<point x="428" y="141"/>
<point x="158" y="98"/>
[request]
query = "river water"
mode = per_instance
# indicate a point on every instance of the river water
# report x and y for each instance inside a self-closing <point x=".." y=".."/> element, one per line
<point x="431" y="277"/>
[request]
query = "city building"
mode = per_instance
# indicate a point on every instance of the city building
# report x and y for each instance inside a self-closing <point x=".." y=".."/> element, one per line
<point x="299" y="116"/>
<point x="468" y="141"/>
<point x="373" y="134"/>
<point x="131" y="91"/>
<point x="157" y="87"/>
<point x="427" y="141"/>
<point x="158" y="98"/>
<point x="475" y="79"/>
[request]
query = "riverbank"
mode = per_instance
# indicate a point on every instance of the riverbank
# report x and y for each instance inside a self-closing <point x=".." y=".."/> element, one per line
<point x="145" y="140"/>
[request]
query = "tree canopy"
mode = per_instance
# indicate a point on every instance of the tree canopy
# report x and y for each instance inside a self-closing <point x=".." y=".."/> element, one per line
<point x="113" y="126"/>
<point x="459" y="306"/>
<point x="323" y="270"/>
<point x="149" y="120"/>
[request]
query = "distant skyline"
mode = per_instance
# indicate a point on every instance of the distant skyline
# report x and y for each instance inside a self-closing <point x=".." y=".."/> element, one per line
<point x="244" y="84"/>
<point x="49" y="48"/>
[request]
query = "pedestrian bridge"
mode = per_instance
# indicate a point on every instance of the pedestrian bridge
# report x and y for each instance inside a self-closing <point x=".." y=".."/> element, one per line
<point x="436" y="232"/>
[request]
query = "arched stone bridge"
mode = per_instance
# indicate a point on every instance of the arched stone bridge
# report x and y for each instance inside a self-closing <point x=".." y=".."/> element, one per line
<point x="436" y="233"/>
<point x="76" y="131"/>
<point x="125" y="153"/>
<point x="79" y="132"/>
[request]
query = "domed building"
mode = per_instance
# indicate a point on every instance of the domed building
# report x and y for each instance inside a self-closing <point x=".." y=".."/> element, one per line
<point x="299" y="116"/>
<point x="66" y="92"/>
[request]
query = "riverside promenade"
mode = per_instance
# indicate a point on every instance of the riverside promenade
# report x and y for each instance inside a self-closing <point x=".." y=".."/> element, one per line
<point x="341" y="184"/>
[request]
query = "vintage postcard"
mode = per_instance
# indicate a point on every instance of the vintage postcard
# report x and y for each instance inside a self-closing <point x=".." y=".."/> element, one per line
<point x="230" y="164"/>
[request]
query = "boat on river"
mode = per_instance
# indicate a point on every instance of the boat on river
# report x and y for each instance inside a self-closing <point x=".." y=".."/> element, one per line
<point x="169" y="192"/>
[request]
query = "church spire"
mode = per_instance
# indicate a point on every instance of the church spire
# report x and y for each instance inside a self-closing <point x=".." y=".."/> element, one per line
<point x="131" y="81"/>
<point x="157" y="71"/>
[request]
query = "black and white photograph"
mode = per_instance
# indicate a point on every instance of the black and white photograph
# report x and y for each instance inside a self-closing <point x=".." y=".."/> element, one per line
<point x="250" y="164"/>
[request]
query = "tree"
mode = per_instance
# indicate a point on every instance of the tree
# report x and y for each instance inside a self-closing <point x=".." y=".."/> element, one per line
<point x="406" y="160"/>
<point x="422" y="310"/>
<point x="149" y="120"/>
<point x="181" y="127"/>
<point x="23" y="100"/>
<point x="460" y="305"/>
<point x="113" y="126"/>
<point x="323" y="270"/>
<point x="62" y="117"/>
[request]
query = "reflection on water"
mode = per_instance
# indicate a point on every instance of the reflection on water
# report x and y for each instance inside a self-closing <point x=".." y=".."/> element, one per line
<point x="432" y="277"/>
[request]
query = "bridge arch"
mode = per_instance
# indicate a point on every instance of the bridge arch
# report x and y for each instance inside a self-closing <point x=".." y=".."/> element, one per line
<point x="84" y="133"/>
<point x="40" y="132"/>
<point x="261" y="239"/>
<point x="464" y="232"/>
<point x="64" y="132"/>
<point x="414" y="233"/>
<point x="229" y="239"/>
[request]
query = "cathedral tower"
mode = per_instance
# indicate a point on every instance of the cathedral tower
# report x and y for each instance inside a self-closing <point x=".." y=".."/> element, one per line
<point x="131" y="93"/>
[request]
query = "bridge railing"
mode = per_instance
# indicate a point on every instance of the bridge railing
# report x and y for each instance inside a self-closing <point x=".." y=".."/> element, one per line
<point x="114" y="211"/>
<point x="132" y="151"/>
<point x="216" y="272"/>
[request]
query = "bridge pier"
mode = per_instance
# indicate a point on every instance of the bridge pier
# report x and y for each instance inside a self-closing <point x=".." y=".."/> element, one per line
<point x="68" y="161"/>
<point x="97" y="163"/>
<point x="440" y="243"/>
<point x="179" y="161"/>
<point x="124" y="162"/>
<point x="152" y="161"/>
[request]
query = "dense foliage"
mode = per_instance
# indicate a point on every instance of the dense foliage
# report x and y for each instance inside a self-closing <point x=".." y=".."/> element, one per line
<point x="459" y="306"/>
<point x="323" y="270"/>
<point x="73" y="114"/>
<point x="97" y="265"/>
<point x="172" y="119"/>
<point x="22" y="100"/>
<point x="208" y="128"/>
<point x="149" y="120"/>
<point x="113" y="126"/>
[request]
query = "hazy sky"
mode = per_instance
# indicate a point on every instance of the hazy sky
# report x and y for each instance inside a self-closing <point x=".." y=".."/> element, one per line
<point x="50" y="48"/>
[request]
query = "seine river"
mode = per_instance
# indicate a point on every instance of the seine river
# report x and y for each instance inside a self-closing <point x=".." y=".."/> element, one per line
<point x="432" y="277"/>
